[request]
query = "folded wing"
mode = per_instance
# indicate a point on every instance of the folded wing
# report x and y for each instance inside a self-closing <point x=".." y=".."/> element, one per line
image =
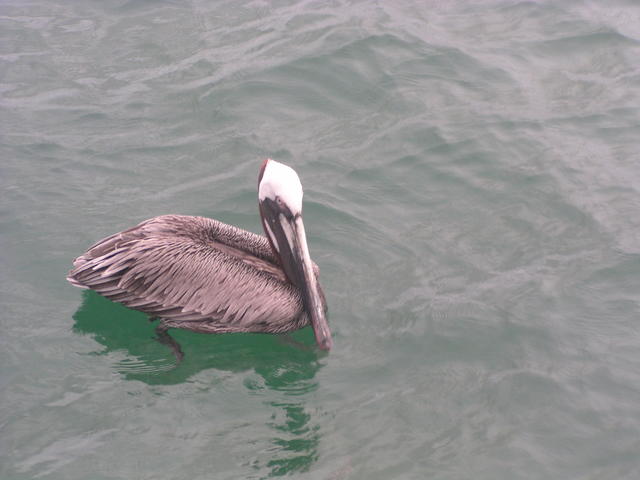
<point x="193" y="269"/>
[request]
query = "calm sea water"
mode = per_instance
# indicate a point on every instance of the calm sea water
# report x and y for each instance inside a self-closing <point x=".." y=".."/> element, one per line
<point x="472" y="196"/>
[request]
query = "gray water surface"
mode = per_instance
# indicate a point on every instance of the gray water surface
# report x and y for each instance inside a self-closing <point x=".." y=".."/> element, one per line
<point x="472" y="197"/>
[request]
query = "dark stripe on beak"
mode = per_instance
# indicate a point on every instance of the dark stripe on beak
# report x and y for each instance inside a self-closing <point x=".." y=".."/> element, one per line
<point x="288" y="238"/>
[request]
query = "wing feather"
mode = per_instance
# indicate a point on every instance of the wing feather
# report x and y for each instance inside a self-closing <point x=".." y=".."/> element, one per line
<point x="193" y="269"/>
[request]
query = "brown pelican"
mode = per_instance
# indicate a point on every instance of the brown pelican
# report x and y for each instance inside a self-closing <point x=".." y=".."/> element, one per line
<point x="206" y="276"/>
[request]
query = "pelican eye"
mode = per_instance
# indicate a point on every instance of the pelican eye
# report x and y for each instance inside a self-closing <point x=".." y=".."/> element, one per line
<point x="284" y="208"/>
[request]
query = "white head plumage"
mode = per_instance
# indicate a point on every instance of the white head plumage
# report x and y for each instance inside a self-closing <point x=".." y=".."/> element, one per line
<point x="281" y="181"/>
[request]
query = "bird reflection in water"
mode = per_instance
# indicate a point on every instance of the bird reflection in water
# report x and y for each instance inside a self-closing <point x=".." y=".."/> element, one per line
<point x="285" y="374"/>
<point x="296" y="439"/>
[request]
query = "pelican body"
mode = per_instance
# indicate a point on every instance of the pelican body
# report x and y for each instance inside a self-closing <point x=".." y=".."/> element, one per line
<point x="206" y="276"/>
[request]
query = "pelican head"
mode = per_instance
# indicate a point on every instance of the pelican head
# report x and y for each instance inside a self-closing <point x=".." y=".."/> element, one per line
<point x="280" y="200"/>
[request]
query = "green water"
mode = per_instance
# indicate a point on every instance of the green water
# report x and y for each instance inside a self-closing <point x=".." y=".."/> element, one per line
<point x="472" y="197"/>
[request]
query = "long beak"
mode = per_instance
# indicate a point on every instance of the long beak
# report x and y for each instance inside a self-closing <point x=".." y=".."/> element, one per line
<point x="288" y="234"/>
<point x="307" y="282"/>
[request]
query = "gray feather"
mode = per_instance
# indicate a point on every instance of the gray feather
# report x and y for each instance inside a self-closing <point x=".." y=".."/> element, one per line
<point x="195" y="273"/>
